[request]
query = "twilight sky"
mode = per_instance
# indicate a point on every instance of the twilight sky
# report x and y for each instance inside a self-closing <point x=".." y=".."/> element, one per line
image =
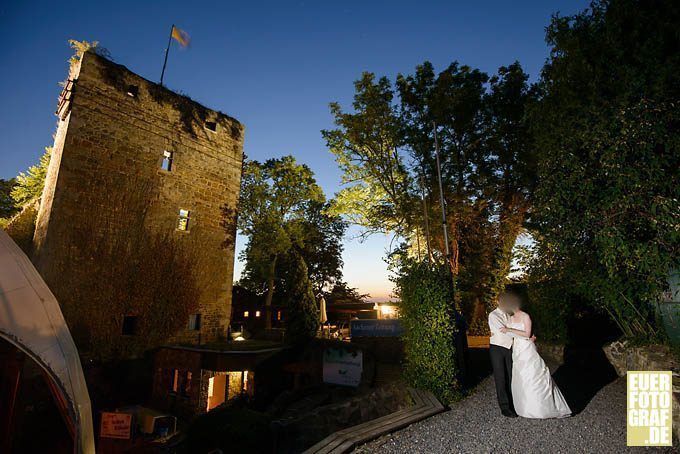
<point x="273" y="65"/>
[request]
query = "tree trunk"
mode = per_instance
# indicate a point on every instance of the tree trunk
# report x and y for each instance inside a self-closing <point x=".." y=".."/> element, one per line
<point x="270" y="295"/>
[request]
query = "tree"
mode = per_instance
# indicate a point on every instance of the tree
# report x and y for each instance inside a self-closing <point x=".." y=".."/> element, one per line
<point x="386" y="153"/>
<point x="512" y="161"/>
<point x="275" y="196"/>
<point x="29" y="185"/>
<point x="606" y="205"/>
<point x="302" y="317"/>
<point x="366" y="147"/>
<point x="7" y="206"/>
<point x="319" y="243"/>
<point x="344" y="294"/>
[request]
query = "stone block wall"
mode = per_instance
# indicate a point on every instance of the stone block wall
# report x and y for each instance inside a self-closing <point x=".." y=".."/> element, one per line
<point x="297" y="432"/>
<point x="113" y="131"/>
<point x="553" y="352"/>
<point x="625" y="357"/>
<point x="182" y="404"/>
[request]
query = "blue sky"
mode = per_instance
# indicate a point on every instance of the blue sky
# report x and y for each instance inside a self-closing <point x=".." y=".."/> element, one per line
<point x="273" y="65"/>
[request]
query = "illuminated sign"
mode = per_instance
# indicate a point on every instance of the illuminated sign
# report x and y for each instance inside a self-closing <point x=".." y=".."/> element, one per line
<point x="116" y="425"/>
<point x="342" y="367"/>
<point x="376" y="328"/>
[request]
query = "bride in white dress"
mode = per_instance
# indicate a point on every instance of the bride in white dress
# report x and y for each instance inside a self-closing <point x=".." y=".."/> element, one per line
<point x="534" y="393"/>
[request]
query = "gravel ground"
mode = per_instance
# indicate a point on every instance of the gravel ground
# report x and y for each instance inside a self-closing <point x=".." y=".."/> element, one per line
<point x="475" y="425"/>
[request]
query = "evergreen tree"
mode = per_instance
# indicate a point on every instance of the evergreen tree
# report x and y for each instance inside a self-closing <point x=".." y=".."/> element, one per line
<point x="302" y="318"/>
<point x="29" y="185"/>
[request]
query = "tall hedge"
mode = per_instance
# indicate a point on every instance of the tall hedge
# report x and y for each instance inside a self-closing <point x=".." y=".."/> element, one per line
<point x="427" y="310"/>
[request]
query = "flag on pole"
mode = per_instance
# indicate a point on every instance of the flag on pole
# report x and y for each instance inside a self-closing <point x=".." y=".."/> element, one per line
<point x="181" y="36"/>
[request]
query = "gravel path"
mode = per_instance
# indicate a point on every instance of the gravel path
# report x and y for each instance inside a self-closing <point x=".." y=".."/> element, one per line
<point x="474" y="425"/>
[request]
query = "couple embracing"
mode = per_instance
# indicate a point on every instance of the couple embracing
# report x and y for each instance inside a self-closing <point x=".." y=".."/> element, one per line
<point x="524" y="386"/>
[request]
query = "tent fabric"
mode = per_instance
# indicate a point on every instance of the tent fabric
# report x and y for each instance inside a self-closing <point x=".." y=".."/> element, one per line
<point x="31" y="319"/>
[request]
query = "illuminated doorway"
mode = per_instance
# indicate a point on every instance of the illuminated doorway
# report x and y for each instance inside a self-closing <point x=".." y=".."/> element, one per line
<point x="217" y="391"/>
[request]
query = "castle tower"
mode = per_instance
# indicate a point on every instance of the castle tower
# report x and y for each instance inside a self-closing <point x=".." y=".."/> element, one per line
<point x="130" y="156"/>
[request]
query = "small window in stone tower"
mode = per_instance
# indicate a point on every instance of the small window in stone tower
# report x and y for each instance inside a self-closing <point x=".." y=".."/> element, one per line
<point x="167" y="160"/>
<point x="132" y="91"/>
<point x="195" y="322"/>
<point x="129" y="325"/>
<point x="183" y="221"/>
<point x="211" y="125"/>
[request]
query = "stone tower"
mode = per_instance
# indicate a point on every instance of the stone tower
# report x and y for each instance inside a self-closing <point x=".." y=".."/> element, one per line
<point x="122" y="136"/>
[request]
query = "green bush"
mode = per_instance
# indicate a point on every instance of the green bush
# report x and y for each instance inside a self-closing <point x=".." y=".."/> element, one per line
<point x="427" y="315"/>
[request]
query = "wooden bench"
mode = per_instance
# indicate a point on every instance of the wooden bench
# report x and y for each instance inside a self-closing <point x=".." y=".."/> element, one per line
<point x="424" y="405"/>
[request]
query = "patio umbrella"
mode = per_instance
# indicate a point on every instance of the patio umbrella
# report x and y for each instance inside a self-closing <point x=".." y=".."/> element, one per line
<point x="323" y="318"/>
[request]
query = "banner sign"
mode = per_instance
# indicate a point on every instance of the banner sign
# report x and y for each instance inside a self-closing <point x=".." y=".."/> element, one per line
<point x="342" y="367"/>
<point x="116" y="425"/>
<point x="376" y="328"/>
<point x="650" y="418"/>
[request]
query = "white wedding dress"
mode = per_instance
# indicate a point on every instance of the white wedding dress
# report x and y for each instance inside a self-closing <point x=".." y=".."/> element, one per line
<point x="534" y="393"/>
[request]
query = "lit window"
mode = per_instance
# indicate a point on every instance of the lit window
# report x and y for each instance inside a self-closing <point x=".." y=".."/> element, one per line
<point x="166" y="164"/>
<point x="257" y="313"/>
<point x="174" y="380"/>
<point x="245" y="380"/>
<point x="180" y="381"/>
<point x="129" y="325"/>
<point x="187" y="384"/>
<point x="211" y="126"/>
<point x="194" y="322"/>
<point x="246" y="314"/>
<point x="183" y="222"/>
<point x="132" y="91"/>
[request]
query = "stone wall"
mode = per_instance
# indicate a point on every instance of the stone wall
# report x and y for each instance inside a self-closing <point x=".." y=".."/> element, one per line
<point x="625" y="357"/>
<point x="186" y="405"/>
<point x="296" y="433"/>
<point x="114" y="128"/>
<point x="553" y="352"/>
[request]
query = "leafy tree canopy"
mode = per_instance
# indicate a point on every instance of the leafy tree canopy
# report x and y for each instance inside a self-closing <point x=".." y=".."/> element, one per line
<point x="606" y="125"/>
<point x="7" y="205"/>
<point x="29" y="185"/>
<point x="386" y="150"/>
<point x="276" y="197"/>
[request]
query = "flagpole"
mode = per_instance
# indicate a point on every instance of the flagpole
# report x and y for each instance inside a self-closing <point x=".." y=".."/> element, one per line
<point x="441" y="194"/>
<point x="165" y="62"/>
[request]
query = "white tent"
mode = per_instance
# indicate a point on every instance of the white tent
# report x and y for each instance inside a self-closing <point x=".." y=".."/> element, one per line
<point x="30" y="319"/>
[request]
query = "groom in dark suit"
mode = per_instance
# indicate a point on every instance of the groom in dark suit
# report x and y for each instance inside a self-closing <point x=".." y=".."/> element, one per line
<point x="500" y="351"/>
